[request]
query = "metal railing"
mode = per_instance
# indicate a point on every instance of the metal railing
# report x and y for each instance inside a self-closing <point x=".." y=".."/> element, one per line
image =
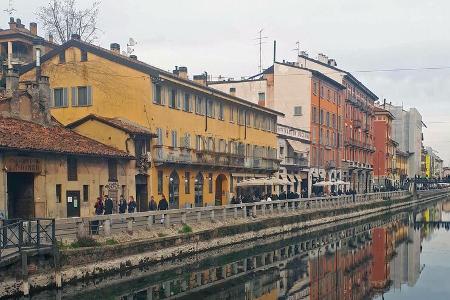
<point x="17" y="235"/>
<point x="106" y="225"/>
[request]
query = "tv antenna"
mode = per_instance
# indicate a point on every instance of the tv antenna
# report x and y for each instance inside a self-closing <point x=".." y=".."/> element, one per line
<point x="261" y="41"/>
<point x="131" y="43"/>
<point x="297" y="48"/>
<point x="10" y="8"/>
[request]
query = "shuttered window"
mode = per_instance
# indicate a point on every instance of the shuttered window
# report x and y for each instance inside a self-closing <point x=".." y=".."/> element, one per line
<point x="59" y="97"/>
<point x="82" y="96"/>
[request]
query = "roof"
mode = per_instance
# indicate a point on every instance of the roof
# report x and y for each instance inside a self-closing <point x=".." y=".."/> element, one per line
<point x="381" y="111"/>
<point x="348" y="76"/>
<point x="119" y="123"/>
<point x="23" y="33"/>
<point x="141" y="67"/>
<point x="27" y="136"/>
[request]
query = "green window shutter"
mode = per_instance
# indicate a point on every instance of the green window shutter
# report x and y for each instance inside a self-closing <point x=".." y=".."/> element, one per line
<point x="65" y="96"/>
<point x="178" y="99"/>
<point x="74" y="96"/>
<point x="164" y="92"/>
<point x="89" y="95"/>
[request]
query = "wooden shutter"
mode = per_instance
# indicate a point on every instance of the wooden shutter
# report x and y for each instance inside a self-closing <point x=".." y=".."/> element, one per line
<point x="74" y="96"/>
<point x="178" y="96"/>
<point x="65" y="100"/>
<point x="89" y="95"/>
<point x="52" y="97"/>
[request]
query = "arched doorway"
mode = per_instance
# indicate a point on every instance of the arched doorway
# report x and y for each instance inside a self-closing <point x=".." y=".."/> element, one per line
<point x="198" y="190"/>
<point x="221" y="189"/>
<point x="174" y="190"/>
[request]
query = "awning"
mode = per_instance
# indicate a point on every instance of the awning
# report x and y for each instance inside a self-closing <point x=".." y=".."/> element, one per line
<point x="290" y="177"/>
<point x="297" y="177"/>
<point x="263" y="182"/>
<point x="340" y="182"/>
<point x="323" y="183"/>
<point x="298" y="147"/>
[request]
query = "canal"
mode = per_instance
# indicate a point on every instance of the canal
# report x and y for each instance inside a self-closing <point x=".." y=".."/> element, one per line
<point x="397" y="256"/>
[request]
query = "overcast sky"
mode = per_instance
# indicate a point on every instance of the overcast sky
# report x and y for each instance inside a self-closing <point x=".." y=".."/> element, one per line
<point x="219" y="37"/>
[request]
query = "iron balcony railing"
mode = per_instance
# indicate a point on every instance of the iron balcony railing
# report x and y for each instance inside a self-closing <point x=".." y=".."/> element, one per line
<point x="164" y="154"/>
<point x="295" y="161"/>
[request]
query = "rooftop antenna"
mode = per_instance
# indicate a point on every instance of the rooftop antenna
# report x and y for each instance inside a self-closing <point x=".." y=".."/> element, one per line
<point x="131" y="43"/>
<point x="10" y="8"/>
<point x="260" y="39"/>
<point x="297" y="48"/>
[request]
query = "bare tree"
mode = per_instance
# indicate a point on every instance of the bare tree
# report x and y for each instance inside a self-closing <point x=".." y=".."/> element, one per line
<point x="62" y="18"/>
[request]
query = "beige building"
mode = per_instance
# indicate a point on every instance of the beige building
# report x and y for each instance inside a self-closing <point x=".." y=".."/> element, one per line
<point x="46" y="169"/>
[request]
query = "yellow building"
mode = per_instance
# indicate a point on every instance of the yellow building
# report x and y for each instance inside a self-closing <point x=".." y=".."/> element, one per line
<point x="206" y="140"/>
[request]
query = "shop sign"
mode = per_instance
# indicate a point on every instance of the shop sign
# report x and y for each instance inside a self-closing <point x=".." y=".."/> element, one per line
<point x="23" y="164"/>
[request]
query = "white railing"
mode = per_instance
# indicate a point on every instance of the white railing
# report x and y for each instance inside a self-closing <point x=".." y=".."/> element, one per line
<point x="106" y="225"/>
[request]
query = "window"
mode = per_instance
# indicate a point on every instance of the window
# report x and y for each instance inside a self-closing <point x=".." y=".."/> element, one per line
<point x="281" y="151"/>
<point x="247" y="118"/>
<point x="174" y="139"/>
<point x="321" y="117"/>
<point x="261" y="98"/>
<point x="173" y="98"/>
<point x="62" y="57"/>
<point x="60" y="97"/>
<point x="241" y="117"/>
<point x="210" y="183"/>
<point x="328" y="119"/>
<point x="297" y="110"/>
<point x="81" y="96"/>
<point x="334" y="121"/>
<point x="157" y="94"/>
<point x="199" y="108"/>
<point x="187" y="182"/>
<point x="315" y="88"/>
<point x="72" y="169"/>
<point x="210" y="108"/>
<point x="112" y="170"/>
<point x="159" y="133"/>
<point x="160" y="182"/>
<point x="186" y="103"/>
<point x="231" y="114"/>
<point x="314" y="115"/>
<point x="221" y="117"/>
<point x="328" y="94"/>
<point x="85" y="193"/>
<point x="198" y="143"/>
<point x="58" y="193"/>
<point x="321" y="92"/>
<point x="84" y="55"/>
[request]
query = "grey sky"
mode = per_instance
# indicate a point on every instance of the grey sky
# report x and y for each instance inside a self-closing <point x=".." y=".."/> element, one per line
<point x="218" y="36"/>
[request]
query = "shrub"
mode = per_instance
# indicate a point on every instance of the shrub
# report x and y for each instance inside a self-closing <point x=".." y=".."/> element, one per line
<point x="185" y="229"/>
<point x="84" y="242"/>
<point x="111" y="242"/>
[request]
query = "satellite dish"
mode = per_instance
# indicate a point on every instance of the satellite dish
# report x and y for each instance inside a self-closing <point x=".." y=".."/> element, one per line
<point x="131" y="42"/>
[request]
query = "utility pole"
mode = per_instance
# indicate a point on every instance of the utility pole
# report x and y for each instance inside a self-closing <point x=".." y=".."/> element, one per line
<point x="297" y="48"/>
<point x="260" y="39"/>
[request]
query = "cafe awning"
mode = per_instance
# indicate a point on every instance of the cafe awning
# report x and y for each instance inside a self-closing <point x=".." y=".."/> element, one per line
<point x="298" y="147"/>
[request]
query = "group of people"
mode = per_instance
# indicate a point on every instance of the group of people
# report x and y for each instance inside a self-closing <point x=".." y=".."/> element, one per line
<point x="105" y="205"/>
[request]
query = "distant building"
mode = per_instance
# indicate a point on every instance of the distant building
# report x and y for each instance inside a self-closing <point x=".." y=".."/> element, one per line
<point x="433" y="163"/>
<point x="407" y="132"/>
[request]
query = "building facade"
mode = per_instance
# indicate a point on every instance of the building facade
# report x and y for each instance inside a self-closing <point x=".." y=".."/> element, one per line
<point x="206" y="141"/>
<point x="310" y="102"/>
<point x="46" y="169"/>
<point x="358" y="110"/>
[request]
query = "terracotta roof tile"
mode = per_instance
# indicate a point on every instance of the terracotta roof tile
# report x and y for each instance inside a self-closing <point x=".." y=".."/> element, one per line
<point x="24" y="135"/>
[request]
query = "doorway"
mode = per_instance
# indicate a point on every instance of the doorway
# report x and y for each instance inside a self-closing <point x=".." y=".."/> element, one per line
<point x="141" y="193"/>
<point x="73" y="203"/>
<point x="198" y="190"/>
<point x="221" y="186"/>
<point x="174" y="190"/>
<point x="20" y="195"/>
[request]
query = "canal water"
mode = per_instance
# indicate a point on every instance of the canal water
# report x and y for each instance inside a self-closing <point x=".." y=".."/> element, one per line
<point x="405" y="256"/>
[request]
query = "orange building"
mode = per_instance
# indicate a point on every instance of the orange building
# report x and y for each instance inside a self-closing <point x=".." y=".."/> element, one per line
<point x="382" y="252"/>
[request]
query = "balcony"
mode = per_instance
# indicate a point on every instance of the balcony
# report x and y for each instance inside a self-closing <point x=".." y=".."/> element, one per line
<point x="301" y="162"/>
<point x="170" y="155"/>
<point x="331" y="164"/>
<point x="360" y="145"/>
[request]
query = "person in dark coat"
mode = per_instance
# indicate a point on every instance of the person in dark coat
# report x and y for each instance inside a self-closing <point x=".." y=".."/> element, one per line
<point x="163" y="204"/>
<point x="99" y="208"/>
<point x="122" y="205"/>
<point x="131" y="205"/>
<point x="152" y="204"/>
<point x="108" y="205"/>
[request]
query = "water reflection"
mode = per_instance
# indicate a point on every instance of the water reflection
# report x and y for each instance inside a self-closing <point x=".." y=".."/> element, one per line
<point x="369" y="259"/>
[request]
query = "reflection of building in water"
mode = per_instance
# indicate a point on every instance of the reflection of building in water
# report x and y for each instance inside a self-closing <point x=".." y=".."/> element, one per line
<point x="382" y="253"/>
<point x="405" y="267"/>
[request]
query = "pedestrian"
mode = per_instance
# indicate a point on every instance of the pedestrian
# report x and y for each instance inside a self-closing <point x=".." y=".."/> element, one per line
<point x="131" y="205"/>
<point x="99" y="207"/>
<point x="122" y="204"/>
<point x="108" y="205"/>
<point x="163" y="205"/>
<point x="152" y="206"/>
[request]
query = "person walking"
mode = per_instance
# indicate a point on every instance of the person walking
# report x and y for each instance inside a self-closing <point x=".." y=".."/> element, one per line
<point x="108" y="205"/>
<point x="99" y="209"/>
<point x="122" y="205"/>
<point x="152" y="206"/>
<point x="163" y="205"/>
<point x="131" y="205"/>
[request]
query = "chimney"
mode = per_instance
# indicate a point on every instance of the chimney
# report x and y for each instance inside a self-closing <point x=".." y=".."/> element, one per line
<point x="33" y="28"/>
<point x="322" y="58"/>
<point x="19" y="23"/>
<point x="304" y="53"/>
<point x="133" y="57"/>
<point x="175" y="71"/>
<point x="332" y="62"/>
<point x="232" y="91"/>
<point x="182" y="72"/>
<point x="115" y="48"/>
<point x="201" y="79"/>
<point x="76" y="36"/>
<point x="50" y="38"/>
<point x="12" y="82"/>
<point x="12" y="23"/>
<point x="37" y="49"/>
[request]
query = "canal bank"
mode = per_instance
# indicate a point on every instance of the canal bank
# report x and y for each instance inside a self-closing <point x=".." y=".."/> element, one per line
<point x="82" y="264"/>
